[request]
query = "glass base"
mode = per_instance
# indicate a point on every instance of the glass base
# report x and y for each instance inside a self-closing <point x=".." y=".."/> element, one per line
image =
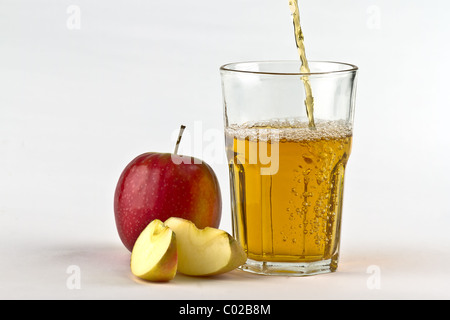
<point x="297" y="269"/>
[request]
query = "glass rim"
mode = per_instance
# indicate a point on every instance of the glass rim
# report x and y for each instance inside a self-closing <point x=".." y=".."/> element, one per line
<point x="350" y="68"/>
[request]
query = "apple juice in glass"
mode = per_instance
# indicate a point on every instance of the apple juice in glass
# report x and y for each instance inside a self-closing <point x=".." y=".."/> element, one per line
<point x="286" y="176"/>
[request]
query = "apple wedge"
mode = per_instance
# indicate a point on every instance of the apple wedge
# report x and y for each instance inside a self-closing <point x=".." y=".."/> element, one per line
<point x="154" y="256"/>
<point x="205" y="252"/>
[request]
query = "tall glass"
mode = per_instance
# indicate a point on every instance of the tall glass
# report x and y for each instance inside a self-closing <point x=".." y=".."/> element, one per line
<point x="286" y="172"/>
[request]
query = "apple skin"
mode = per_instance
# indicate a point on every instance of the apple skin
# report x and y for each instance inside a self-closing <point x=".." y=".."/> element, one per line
<point x="157" y="186"/>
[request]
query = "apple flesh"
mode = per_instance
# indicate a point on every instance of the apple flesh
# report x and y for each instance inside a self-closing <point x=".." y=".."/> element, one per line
<point x="154" y="256"/>
<point x="157" y="186"/>
<point x="205" y="252"/>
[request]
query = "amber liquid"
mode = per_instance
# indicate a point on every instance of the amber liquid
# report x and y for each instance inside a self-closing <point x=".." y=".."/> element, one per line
<point x="293" y="215"/>
<point x="299" y="41"/>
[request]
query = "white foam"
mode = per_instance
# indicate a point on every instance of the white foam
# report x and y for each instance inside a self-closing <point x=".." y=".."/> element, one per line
<point x="289" y="130"/>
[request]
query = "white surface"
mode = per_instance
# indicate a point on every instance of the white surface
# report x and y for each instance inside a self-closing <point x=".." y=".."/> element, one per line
<point x="77" y="105"/>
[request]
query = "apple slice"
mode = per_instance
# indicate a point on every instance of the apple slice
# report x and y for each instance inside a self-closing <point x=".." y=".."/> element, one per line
<point x="154" y="256"/>
<point x="205" y="252"/>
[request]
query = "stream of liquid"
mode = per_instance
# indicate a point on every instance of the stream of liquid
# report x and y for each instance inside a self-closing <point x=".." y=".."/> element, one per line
<point x="299" y="40"/>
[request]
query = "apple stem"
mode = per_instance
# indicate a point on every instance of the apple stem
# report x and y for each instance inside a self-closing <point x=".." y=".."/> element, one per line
<point x="179" y="138"/>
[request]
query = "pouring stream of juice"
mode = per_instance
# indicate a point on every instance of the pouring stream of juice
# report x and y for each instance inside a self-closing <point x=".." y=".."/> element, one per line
<point x="299" y="39"/>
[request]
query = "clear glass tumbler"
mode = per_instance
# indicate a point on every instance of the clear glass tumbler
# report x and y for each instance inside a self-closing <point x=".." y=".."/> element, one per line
<point x="286" y="171"/>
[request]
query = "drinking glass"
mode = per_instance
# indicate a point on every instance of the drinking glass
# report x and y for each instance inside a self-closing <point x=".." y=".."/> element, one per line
<point x="286" y="171"/>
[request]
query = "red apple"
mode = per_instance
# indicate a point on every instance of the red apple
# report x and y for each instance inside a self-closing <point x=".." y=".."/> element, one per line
<point x="157" y="186"/>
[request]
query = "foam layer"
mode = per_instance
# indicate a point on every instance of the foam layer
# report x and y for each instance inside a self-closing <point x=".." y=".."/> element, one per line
<point x="289" y="130"/>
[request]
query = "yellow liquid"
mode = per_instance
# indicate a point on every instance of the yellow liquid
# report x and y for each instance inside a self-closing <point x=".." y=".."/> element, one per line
<point x="299" y="40"/>
<point x="293" y="215"/>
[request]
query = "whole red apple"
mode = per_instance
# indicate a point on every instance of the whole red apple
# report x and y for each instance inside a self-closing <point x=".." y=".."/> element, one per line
<point x="157" y="186"/>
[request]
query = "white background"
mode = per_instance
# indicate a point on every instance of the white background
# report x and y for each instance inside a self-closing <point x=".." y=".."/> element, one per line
<point x="79" y="101"/>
